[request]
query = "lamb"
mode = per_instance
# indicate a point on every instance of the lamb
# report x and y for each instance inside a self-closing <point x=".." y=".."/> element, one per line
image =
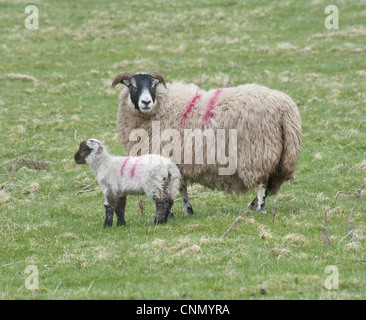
<point x="266" y="122"/>
<point x="153" y="175"/>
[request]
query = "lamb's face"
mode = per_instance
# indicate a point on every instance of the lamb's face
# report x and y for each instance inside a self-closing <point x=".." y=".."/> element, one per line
<point x="83" y="152"/>
<point x="142" y="89"/>
<point x="86" y="150"/>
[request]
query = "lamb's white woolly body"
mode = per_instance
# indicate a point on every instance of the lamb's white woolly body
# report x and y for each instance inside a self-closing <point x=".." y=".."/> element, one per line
<point x="153" y="175"/>
<point x="268" y="132"/>
<point x="148" y="174"/>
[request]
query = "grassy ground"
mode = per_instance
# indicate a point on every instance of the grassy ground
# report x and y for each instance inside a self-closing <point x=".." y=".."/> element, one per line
<point x="54" y="92"/>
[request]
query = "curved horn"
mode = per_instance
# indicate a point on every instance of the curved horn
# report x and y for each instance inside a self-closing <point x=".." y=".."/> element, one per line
<point x="122" y="76"/>
<point x="158" y="76"/>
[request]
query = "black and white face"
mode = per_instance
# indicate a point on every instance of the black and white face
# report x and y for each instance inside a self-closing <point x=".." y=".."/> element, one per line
<point x="86" y="148"/>
<point x="83" y="152"/>
<point x="142" y="88"/>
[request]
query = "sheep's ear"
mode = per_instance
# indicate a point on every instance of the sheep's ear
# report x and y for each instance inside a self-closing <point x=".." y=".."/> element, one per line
<point x="93" y="145"/>
<point x="126" y="82"/>
<point x="158" y="76"/>
<point x="155" y="82"/>
<point x="121" y="77"/>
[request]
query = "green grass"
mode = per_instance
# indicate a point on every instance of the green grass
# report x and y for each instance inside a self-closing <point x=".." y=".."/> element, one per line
<point x="73" y="57"/>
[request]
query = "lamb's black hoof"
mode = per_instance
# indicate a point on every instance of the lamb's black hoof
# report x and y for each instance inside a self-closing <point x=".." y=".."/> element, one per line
<point x="156" y="221"/>
<point x="190" y="210"/>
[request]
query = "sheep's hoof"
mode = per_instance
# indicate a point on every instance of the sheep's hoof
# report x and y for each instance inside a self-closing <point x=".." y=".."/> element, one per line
<point x="262" y="210"/>
<point x="187" y="211"/>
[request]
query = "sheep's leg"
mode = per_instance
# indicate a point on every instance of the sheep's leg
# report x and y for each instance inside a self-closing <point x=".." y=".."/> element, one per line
<point x="259" y="202"/>
<point x="187" y="208"/>
<point x="120" y="211"/>
<point x="253" y="205"/>
<point x="261" y="196"/>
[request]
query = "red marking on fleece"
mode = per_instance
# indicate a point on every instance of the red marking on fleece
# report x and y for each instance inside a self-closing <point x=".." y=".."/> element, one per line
<point x="190" y="107"/>
<point x="209" y="111"/>
<point x="134" y="166"/>
<point x="123" y="165"/>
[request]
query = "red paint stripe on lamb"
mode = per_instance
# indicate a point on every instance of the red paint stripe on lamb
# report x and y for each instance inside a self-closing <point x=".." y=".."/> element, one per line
<point x="209" y="111"/>
<point x="190" y="107"/>
<point x="134" y="166"/>
<point x="123" y="165"/>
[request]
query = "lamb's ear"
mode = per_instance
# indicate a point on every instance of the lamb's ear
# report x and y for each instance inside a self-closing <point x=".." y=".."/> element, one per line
<point x="93" y="145"/>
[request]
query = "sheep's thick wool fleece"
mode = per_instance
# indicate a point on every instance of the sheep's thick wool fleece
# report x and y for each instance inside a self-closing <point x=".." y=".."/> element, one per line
<point x="268" y="131"/>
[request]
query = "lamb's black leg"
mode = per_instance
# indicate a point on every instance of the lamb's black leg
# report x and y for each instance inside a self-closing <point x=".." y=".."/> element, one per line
<point x="171" y="214"/>
<point x="110" y="205"/>
<point x="120" y="211"/>
<point x="109" y="211"/>
<point x="169" y="211"/>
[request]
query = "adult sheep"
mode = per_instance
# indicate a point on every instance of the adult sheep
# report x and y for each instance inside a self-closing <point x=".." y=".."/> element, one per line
<point x="266" y="124"/>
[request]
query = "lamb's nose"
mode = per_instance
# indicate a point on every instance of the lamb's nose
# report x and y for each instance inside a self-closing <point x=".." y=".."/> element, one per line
<point x="146" y="102"/>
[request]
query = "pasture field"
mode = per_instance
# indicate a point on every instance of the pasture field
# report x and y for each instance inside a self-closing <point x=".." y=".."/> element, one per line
<point x="55" y="92"/>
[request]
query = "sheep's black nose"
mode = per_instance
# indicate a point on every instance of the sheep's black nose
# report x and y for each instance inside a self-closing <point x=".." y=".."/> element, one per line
<point x="145" y="102"/>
